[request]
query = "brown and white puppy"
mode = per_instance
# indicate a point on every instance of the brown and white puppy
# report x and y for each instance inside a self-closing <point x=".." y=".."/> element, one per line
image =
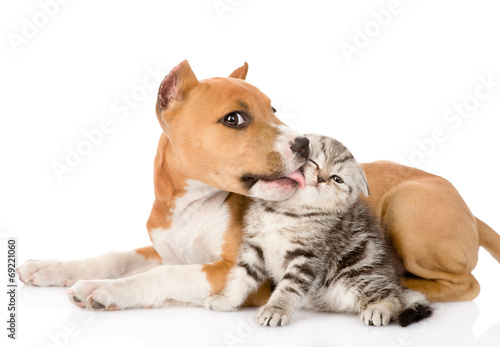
<point x="220" y="135"/>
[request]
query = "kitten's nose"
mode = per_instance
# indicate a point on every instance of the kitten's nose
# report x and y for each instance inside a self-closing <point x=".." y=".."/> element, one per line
<point x="301" y="147"/>
<point x="321" y="179"/>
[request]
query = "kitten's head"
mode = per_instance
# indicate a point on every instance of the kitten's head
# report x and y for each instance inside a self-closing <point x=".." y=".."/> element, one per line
<point x="334" y="179"/>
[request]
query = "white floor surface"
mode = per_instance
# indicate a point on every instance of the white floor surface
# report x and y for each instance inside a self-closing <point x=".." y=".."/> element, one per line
<point x="47" y="318"/>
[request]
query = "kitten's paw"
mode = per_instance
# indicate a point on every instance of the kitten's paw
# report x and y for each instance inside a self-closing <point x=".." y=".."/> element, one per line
<point x="220" y="302"/>
<point x="273" y="316"/>
<point x="378" y="314"/>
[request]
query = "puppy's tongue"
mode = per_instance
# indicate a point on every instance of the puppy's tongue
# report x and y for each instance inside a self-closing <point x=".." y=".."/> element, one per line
<point x="298" y="177"/>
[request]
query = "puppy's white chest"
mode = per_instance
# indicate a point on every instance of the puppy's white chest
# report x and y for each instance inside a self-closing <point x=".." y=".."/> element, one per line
<point x="199" y="220"/>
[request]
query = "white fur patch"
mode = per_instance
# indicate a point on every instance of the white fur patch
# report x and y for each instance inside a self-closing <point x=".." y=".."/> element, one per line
<point x="337" y="297"/>
<point x="199" y="220"/>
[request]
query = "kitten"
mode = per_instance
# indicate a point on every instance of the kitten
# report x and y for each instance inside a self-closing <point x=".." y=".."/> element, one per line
<point x="323" y="250"/>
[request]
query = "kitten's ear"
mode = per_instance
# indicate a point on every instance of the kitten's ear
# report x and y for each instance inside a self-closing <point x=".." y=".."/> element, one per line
<point x="364" y="183"/>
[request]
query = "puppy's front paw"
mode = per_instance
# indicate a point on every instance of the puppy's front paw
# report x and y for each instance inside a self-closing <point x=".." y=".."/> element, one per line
<point x="220" y="302"/>
<point x="98" y="295"/>
<point x="45" y="273"/>
<point x="273" y="316"/>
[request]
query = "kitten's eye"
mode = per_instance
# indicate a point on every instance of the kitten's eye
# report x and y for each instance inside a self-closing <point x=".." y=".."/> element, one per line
<point x="337" y="179"/>
<point x="234" y="120"/>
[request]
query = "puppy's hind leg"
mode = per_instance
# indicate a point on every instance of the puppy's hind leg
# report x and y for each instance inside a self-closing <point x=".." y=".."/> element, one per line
<point x="436" y="237"/>
<point x="456" y="288"/>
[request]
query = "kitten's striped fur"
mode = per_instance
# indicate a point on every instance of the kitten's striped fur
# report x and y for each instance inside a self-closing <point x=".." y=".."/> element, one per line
<point x="322" y="248"/>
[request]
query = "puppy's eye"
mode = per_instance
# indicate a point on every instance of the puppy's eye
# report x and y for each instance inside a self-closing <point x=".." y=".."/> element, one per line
<point x="234" y="120"/>
<point x="337" y="179"/>
<point x="274" y="110"/>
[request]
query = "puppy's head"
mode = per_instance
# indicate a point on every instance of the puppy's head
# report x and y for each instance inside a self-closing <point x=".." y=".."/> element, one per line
<point x="223" y="132"/>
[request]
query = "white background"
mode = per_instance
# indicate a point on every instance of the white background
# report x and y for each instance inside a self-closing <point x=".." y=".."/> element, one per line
<point x="73" y="67"/>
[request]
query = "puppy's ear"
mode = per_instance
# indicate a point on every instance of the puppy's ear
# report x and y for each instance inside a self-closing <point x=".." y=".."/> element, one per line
<point x="176" y="85"/>
<point x="240" y="72"/>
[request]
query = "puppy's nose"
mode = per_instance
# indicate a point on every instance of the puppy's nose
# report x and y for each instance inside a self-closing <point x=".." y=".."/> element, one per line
<point x="301" y="147"/>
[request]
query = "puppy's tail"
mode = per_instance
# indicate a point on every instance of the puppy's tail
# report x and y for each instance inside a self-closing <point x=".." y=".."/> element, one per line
<point x="415" y="308"/>
<point x="489" y="239"/>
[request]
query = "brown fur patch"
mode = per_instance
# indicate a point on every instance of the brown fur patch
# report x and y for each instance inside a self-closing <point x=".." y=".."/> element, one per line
<point x="259" y="297"/>
<point x="168" y="183"/>
<point x="218" y="271"/>
<point x="149" y="253"/>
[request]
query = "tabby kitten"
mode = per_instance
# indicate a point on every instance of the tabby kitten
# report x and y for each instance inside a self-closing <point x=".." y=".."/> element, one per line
<point x="323" y="250"/>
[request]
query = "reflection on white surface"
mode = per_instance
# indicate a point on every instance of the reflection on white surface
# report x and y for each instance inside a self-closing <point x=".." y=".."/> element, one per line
<point x="46" y="318"/>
